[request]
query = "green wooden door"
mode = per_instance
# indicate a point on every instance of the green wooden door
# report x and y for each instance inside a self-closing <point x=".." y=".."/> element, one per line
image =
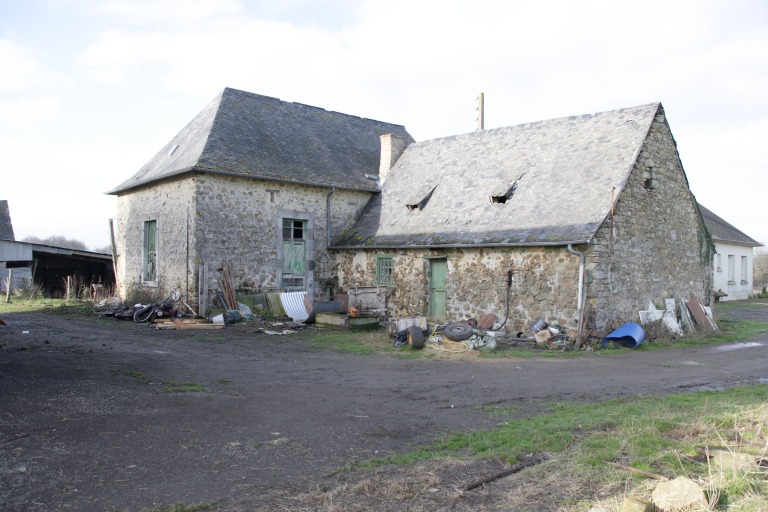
<point x="294" y="269"/>
<point x="294" y="255"/>
<point x="437" y="272"/>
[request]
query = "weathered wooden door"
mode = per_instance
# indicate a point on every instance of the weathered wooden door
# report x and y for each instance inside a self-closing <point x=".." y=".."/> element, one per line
<point x="437" y="272"/>
<point x="294" y="255"/>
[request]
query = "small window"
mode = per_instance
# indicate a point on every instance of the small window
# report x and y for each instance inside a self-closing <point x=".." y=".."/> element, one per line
<point x="719" y="265"/>
<point x="294" y="229"/>
<point x="731" y="269"/>
<point x="384" y="270"/>
<point x="149" y="273"/>
<point x="744" y="270"/>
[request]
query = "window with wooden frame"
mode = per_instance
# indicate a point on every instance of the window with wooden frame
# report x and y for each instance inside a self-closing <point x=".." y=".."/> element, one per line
<point x="384" y="270"/>
<point x="149" y="270"/>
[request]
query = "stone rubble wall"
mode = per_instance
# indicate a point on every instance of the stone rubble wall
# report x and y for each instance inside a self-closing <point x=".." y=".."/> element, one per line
<point x="230" y="218"/>
<point x="239" y="219"/>
<point x="170" y="204"/>
<point x="544" y="282"/>
<point x="655" y="247"/>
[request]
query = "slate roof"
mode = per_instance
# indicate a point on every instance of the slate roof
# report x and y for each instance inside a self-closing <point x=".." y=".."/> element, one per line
<point x="6" y="227"/>
<point x="246" y="134"/>
<point x="721" y="231"/>
<point x="561" y="173"/>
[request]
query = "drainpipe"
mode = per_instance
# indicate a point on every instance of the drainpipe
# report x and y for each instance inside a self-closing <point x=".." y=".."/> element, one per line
<point x="580" y="301"/>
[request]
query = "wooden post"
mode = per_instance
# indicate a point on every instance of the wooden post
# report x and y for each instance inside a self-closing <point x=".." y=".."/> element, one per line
<point x="202" y="294"/>
<point x="8" y="286"/>
<point x="481" y="112"/>
<point x="69" y="286"/>
<point x="114" y="255"/>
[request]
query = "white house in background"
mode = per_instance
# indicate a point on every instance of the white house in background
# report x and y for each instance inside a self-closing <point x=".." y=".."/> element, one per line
<point x="734" y="253"/>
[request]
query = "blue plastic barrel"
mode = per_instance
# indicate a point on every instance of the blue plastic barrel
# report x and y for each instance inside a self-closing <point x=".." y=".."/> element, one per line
<point x="630" y="335"/>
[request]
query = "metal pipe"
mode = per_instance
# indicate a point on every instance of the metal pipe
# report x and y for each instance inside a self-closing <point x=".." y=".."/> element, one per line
<point x="580" y="305"/>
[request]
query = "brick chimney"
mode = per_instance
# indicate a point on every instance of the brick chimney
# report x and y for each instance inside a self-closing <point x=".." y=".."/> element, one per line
<point x="392" y="146"/>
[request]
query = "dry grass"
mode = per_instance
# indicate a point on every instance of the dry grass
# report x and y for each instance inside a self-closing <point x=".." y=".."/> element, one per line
<point x="562" y="483"/>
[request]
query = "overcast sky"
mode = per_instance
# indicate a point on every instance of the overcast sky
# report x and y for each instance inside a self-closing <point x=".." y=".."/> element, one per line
<point x="90" y="90"/>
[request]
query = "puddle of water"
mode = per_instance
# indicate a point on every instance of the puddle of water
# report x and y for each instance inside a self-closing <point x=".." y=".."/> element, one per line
<point x="736" y="346"/>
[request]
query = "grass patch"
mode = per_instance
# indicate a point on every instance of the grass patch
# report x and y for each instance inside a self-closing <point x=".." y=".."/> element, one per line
<point x="348" y="342"/>
<point x="172" y="386"/>
<point x="647" y="432"/>
<point x="137" y="375"/>
<point x="502" y="411"/>
<point x="24" y="305"/>
<point x="59" y="306"/>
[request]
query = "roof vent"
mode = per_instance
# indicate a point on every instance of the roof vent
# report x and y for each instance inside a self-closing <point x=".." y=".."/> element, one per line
<point x="419" y="205"/>
<point x="173" y="150"/>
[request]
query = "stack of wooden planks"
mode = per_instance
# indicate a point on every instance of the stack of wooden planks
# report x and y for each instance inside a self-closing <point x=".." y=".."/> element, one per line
<point x="227" y="285"/>
<point x="184" y="323"/>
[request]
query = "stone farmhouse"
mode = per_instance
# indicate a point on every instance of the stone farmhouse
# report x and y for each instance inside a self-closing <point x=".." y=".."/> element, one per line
<point x="734" y="257"/>
<point x="251" y="179"/>
<point x="579" y="221"/>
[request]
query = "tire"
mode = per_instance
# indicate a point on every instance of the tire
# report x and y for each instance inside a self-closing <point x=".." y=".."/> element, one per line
<point x="144" y="314"/>
<point x="415" y="337"/>
<point x="458" y="332"/>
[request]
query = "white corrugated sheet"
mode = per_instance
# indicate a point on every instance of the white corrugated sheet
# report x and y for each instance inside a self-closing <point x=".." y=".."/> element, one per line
<point x="293" y="304"/>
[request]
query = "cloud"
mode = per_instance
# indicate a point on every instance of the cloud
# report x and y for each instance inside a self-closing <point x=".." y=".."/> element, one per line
<point x="165" y="13"/>
<point x="28" y="114"/>
<point x="21" y="68"/>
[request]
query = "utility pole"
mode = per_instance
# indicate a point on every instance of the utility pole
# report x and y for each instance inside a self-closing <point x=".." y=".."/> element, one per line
<point x="481" y="112"/>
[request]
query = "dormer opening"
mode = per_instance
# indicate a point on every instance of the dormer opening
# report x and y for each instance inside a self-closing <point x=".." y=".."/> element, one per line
<point x="502" y="198"/>
<point x="416" y="204"/>
<point x="506" y="196"/>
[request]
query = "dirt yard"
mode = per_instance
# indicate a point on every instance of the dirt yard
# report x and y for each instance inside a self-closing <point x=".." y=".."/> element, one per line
<point x="87" y="421"/>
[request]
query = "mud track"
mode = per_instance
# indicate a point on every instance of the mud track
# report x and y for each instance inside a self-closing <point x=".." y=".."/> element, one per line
<point x="86" y="423"/>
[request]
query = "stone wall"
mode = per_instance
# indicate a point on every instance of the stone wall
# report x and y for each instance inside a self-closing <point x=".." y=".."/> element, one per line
<point x="544" y="282"/>
<point x="170" y="204"/>
<point x="240" y="219"/>
<point x="230" y="218"/>
<point x="655" y="247"/>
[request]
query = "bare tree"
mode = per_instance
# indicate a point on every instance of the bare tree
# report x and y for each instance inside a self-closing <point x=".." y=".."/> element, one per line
<point x="58" y="241"/>
<point x="105" y="249"/>
<point x="760" y="268"/>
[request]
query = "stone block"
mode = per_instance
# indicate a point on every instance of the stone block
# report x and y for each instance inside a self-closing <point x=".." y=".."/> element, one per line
<point x="677" y="495"/>
<point x="635" y="504"/>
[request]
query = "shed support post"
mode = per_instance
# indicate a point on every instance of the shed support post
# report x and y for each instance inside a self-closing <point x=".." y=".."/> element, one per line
<point x="8" y="286"/>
